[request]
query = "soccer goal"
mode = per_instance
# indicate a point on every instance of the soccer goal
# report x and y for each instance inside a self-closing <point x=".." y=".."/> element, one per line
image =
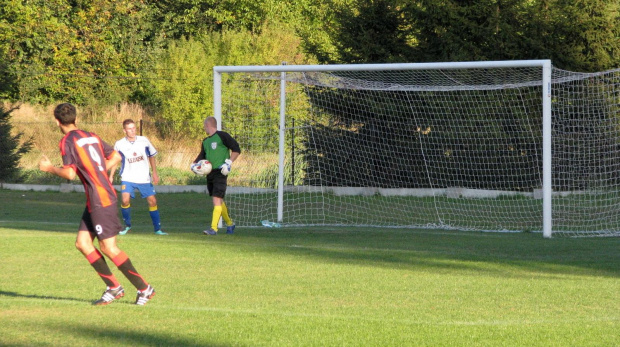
<point x="490" y="146"/>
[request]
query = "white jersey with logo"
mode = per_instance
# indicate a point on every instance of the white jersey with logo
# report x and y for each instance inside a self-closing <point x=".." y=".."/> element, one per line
<point x="135" y="166"/>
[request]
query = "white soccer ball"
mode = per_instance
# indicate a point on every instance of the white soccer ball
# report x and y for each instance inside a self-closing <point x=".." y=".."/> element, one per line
<point x="202" y="167"/>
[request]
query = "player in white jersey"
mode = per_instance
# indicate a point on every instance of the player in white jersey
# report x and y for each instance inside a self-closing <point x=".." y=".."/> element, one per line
<point x="138" y="161"/>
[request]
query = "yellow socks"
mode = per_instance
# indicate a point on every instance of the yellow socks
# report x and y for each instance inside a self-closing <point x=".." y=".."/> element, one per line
<point x="225" y="215"/>
<point x="217" y="213"/>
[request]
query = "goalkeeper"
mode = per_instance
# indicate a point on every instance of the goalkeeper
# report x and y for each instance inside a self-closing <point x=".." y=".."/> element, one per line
<point x="221" y="150"/>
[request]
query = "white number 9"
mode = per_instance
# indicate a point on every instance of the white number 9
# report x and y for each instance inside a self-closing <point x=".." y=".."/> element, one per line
<point x="95" y="156"/>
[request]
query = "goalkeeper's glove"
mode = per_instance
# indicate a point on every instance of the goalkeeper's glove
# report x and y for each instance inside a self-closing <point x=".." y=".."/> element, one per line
<point x="225" y="168"/>
<point x="192" y="167"/>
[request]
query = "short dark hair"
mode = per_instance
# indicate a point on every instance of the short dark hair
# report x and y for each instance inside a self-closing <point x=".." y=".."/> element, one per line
<point x="128" y="121"/>
<point x="65" y="113"/>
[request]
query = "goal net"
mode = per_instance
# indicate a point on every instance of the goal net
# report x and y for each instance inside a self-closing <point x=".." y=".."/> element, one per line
<point x="424" y="146"/>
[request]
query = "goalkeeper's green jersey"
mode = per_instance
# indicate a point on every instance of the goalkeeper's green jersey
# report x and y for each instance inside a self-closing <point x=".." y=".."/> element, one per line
<point x="216" y="148"/>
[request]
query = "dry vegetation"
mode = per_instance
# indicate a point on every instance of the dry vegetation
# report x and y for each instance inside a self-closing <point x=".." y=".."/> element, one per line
<point x="175" y="151"/>
<point x="37" y="122"/>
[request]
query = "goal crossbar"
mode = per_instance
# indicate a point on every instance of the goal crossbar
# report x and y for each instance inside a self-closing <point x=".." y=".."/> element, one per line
<point x="545" y="78"/>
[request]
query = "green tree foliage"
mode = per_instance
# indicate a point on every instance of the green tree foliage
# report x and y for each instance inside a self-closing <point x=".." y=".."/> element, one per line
<point x="96" y="50"/>
<point x="581" y="36"/>
<point x="79" y="51"/>
<point x="314" y="22"/>
<point x="471" y="30"/>
<point x="311" y="20"/>
<point x="577" y="36"/>
<point x="11" y="148"/>
<point x="193" y="18"/>
<point x="372" y="32"/>
<point x="180" y="85"/>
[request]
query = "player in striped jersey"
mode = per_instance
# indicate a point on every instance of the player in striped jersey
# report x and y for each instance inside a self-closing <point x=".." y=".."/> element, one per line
<point x="84" y="154"/>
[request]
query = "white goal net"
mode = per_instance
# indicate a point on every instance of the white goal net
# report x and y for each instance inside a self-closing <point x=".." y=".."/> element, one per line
<point x="424" y="146"/>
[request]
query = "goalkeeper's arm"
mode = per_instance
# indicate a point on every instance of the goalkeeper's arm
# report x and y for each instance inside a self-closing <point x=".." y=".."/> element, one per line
<point x="202" y="155"/>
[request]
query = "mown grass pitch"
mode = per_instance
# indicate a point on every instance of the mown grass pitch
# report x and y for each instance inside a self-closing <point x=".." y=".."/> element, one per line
<point x="301" y="286"/>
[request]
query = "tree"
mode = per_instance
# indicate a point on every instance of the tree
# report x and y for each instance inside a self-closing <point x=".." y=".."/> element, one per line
<point x="577" y="36"/>
<point x="193" y="18"/>
<point x="471" y="30"/>
<point x="180" y="84"/>
<point x="11" y="148"/>
<point x="374" y="31"/>
<point x="581" y="36"/>
<point x="77" y="51"/>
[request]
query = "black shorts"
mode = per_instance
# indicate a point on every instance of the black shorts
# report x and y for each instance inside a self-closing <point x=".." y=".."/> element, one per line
<point x="102" y="222"/>
<point x="216" y="184"/>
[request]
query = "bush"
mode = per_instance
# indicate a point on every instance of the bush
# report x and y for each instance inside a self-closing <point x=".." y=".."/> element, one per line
<point x="179" y="86"/>
<point x="11" y="148"/>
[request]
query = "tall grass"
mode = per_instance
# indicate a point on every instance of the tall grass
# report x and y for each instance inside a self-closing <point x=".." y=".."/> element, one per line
<point x="37" y="122"/>
<point x="175" y="150"/>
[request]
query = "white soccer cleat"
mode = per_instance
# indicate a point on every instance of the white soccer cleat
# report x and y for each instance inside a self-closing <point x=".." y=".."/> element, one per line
<point x="145" y="295"/>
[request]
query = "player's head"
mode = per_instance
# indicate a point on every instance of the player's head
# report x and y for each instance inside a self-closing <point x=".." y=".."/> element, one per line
<point x="129" y="127"/>
<point x="210" y="125"/>
<point x="65" y="114"/>
<point x="127" y="122"/>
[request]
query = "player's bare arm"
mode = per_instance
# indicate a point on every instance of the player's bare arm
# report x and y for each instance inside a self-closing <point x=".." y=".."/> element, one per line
<point x="154" y="175"/>
<point x="112" y="162"/>
<point x="46" y="165"/>
<point x="112" y="170"/>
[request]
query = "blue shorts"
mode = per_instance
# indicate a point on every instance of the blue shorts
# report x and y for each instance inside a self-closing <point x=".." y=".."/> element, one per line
<point x="145" y="189"/>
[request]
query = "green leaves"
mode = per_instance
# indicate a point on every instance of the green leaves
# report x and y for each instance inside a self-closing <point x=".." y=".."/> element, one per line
<point x="98" y="50"/>
<point x="579" y="36"/>
<point x="180" y="83"/>
<point x="76" y="53"/>
<point x="11" y="148"/>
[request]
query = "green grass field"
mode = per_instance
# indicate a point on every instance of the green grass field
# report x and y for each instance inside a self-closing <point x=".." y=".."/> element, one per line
<point x="301" y="286"/>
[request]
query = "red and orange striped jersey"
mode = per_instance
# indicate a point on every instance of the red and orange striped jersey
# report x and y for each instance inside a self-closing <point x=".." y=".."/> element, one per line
<point x="85" y="152"/>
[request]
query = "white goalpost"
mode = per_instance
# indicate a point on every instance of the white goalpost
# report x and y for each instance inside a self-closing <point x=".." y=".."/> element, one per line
<point x="489" y="146"/>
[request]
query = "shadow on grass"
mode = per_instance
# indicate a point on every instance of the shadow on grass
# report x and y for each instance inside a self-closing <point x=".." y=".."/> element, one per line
<point x="446" y="250"/>
<point x="42" y="297"/>
<point x="126" y="337"/>
<point x="184" y="216"/>
<point x="528" y="254"/>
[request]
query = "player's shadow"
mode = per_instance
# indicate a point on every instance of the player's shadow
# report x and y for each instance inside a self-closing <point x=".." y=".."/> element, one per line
<point x="42" y="297"/>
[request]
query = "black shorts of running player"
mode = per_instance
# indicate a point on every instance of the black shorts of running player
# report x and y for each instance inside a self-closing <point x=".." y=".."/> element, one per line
<point x="101" y="222"/>
<point x="216" y="183"/>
